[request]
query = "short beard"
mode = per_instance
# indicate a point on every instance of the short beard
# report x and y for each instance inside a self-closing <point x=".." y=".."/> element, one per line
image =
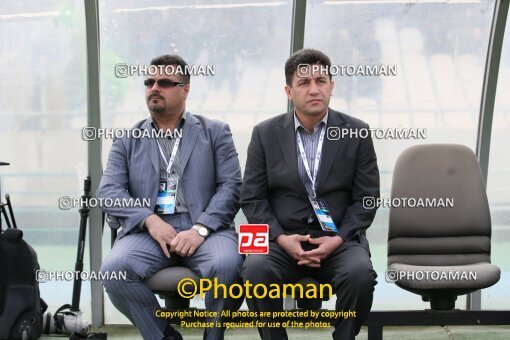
<point x="153" y="107"/>
<point x="158" y="110"/>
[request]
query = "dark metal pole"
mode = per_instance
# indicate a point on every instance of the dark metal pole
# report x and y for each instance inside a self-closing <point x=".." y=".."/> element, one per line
<point x="78" y="267"/>
<point x="9" y="205"/>
<point x="297" y="40"/>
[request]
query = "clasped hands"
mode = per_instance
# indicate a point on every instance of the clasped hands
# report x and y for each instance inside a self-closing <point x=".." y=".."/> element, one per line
<point x="312" y="258"/>
<point x="184" y="243"/>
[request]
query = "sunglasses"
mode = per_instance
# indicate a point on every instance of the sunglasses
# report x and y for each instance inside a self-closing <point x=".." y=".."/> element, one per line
<point x="163" y="83"/>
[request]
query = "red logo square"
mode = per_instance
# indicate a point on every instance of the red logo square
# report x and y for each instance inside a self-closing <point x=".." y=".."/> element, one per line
<point x="253" y="239"/>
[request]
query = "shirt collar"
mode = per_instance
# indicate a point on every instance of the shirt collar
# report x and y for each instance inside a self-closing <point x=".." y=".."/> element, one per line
<point x="180" y="123"/>
<point x="297" y="124"/>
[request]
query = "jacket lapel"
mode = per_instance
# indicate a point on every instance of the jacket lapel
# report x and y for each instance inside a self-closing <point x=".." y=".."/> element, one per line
<point x="150" y="147"/>
<point x="330" y="149"/>
<point x="189" y="137"/>
<point x="287" y="140"/>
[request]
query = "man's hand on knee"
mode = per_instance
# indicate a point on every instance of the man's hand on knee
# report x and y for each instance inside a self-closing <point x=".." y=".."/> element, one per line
<point x="161" y="232"/>
<point x="186" y="243"/>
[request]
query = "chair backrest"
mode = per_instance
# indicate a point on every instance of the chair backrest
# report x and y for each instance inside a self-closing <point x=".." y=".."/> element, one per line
<point x="439" y="236"/>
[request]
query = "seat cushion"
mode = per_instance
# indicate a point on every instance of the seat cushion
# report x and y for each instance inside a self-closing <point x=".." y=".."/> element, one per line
<point x="166" y="280"/>
<point x="466" y="277"/>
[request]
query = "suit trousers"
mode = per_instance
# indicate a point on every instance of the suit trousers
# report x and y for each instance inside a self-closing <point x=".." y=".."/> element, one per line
<point x="348" y="269"/>
<point x="141" y="257"/>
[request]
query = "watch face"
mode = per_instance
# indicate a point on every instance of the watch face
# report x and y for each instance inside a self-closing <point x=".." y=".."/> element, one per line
<point x="202" y="231"/>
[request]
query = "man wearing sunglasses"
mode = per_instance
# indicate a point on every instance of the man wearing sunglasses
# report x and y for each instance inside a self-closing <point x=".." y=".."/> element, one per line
<point x="193" y="183"/>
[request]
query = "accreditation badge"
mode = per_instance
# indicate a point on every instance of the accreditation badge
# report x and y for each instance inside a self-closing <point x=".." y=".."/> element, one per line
<point x="322" y="212"/>
<point x="167" y="192"/>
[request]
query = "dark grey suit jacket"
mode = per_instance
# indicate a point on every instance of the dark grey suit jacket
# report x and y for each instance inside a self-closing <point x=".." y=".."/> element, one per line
<point x="273" y="192"/>
<point x="211" y="175"/>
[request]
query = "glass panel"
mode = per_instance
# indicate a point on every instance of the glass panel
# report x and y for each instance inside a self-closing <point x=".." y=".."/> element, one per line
<point x="498" y="185"/>
<point x="42" y="113"/>
<point x="246" y="42"/>
<point x="439" y="49"/>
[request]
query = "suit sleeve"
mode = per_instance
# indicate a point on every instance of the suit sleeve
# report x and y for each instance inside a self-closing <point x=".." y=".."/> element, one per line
<point x="366" y="184"/>
<point x="114" y="185"/>
<point x="254" y="192"/>
<point x="224" y="204"/>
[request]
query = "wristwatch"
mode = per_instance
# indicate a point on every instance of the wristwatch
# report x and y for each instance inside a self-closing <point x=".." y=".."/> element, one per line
<point x="201" y="230"/>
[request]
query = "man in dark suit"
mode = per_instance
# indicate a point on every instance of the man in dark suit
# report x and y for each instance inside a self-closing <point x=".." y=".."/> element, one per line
<point x="292" y="163"/>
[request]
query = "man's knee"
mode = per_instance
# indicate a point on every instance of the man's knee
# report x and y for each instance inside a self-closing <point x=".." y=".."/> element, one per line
<point x="118" y="265"/>
<point x="226" y="268"/>
<point x="256" y="269"/>
<point x="360" y="276"/>
<point x="115" y="263"/>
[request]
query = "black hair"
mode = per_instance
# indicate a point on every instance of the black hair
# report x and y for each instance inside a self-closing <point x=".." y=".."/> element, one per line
<point x="175" y="60"/>
<point x="305" y="56"/>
